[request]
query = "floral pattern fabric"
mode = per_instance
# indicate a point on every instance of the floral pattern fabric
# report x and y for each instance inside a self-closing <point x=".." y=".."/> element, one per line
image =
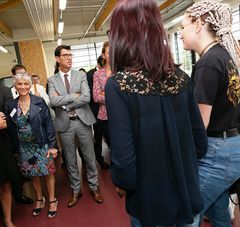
<point x="99" y="81"/>
<point x="33" y="158"/>
<point x="139" y="82"/>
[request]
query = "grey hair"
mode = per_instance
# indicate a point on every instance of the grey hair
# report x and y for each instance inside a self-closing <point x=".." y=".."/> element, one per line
<point x="219" y="17"/>
<point x="22" y="76"/>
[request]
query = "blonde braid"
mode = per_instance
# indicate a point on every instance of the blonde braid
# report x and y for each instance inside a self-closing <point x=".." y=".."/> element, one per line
<point x="219" y="16"/>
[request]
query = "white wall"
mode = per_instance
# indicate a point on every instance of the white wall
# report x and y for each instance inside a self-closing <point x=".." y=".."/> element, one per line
<point x="7" y="61"/>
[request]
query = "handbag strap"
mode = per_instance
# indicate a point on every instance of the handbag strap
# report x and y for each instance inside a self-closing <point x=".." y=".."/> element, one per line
<point x="236" y="186"/>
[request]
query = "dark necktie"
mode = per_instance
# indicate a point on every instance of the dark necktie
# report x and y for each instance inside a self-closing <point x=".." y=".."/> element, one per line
<point x="71" y="113"/>
<point x="67" y="82"/>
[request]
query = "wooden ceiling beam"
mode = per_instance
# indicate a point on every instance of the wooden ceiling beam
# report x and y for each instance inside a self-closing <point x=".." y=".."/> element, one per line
<point x="5" y="29"/>
<point x="110" y="5"/>
<point x="105" y="14"/>
<point x="9" y="4"/>
<point x="166" y="4"/>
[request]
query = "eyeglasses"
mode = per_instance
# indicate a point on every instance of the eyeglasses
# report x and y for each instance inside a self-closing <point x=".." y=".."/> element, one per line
<point x="181" y="27"/>
<point x="66" y="55"/>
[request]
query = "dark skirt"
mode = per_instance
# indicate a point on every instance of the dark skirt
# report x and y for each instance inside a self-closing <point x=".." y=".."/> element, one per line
<point x="8" y="164"/>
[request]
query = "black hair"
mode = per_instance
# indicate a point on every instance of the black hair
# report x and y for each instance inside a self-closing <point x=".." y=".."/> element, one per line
<point x="17" y="67"/>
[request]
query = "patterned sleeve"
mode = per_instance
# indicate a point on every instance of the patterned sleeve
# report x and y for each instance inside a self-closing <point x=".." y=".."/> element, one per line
<point x="98" y="91"/>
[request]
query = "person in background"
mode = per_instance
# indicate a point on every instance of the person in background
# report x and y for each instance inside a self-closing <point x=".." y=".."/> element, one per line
<point x="31" y="121"/>
<point x="17" y="187"/>
<point x="83" y="70"/>
<point x="35" y="79"/>
<point x="17" y="69"/>
<point x="39" y="90"/>
<point x="155" y="126"/>
<point x="8" y="165"/>
<point x="36" y="88"/>
<point x="69" y="94"/>
<point x="206" y="29"/>
<point x="100" y="78"/>
<point x="94" y="106"/>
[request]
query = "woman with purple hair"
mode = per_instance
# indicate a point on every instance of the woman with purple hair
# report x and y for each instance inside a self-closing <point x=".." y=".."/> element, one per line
<point x="155" y="126"/>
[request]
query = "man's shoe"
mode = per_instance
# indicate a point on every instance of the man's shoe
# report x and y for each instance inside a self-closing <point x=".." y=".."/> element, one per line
<point x="73" y="201"/>
<point x="97" y="196"/>
<point x="24" y="200"/>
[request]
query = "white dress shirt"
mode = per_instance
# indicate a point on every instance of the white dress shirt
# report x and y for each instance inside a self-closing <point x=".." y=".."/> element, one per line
<point x="63" y="78"/>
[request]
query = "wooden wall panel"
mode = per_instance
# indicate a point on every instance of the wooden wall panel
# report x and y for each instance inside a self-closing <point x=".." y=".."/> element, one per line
<point x="32" y="57"/>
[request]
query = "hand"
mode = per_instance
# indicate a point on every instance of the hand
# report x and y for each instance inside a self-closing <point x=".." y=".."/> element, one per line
<point x="3" y="123"/>
<point x="2" y="116"/>
<point x="36" y="93"/>
<point x="55" y="93"/>
<point x="52" y="152"/>
<point x="120" y="192"/>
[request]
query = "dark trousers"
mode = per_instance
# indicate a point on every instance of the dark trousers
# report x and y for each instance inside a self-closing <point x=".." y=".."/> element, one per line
<point x="100" y="130"/>
<point x="17" y="185"/>
<point x="17" y="189"/>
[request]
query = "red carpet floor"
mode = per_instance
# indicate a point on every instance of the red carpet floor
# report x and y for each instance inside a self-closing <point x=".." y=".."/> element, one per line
<point x="87" y="213"/>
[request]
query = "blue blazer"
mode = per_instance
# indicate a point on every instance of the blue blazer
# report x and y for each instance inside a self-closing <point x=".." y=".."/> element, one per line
<point x="39" y="118"/>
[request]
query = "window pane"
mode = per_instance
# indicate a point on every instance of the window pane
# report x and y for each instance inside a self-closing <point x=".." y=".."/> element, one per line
<point x="85" y="55"/>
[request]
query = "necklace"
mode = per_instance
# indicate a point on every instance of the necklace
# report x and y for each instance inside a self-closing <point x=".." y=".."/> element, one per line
<point x="207" y="47"/>
<point x="24" y="105"/>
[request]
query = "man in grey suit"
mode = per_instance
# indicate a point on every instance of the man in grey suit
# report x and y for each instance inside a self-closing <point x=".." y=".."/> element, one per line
<point x="69" y="94"/>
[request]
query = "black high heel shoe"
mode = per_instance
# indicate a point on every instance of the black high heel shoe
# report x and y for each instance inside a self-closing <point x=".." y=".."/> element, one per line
<point x="37" y="211"/>
<point x="52" y="213"/>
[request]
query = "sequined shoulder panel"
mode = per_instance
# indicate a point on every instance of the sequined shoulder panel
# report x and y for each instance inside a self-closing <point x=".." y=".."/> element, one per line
<point x="138" y="82"/>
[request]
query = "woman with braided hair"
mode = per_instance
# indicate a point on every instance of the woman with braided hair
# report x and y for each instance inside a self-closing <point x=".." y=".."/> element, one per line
<point x="206" y="29"/>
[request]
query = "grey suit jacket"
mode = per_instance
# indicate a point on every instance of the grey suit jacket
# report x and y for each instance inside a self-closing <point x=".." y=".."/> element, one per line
<point x="78" y="84"/>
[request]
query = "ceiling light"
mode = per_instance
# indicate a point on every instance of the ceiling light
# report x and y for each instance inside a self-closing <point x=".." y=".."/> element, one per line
<point x="59" y="42"/>
<point x="60" y="26"/>
<point x="3" y="49"/>
<point x="62" y="4"/>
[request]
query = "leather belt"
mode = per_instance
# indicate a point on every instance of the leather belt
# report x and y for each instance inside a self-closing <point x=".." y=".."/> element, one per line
<point x="74" y="118"/>
<point x="225" y="134"/>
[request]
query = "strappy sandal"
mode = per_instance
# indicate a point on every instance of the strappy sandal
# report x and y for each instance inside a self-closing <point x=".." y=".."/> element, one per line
<point x="52" y="213"/>
<point x="37" y="211"/>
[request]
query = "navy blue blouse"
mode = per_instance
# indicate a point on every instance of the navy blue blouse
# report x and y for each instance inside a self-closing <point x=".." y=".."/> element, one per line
<point x="156" y="133"/>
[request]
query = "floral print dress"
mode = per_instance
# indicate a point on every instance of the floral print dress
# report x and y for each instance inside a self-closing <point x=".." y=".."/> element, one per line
<point x="33" y="158"/>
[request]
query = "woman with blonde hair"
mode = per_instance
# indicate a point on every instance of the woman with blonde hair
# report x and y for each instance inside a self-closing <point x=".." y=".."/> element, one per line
<point x="32" y="128"/>
<point x="206" y="29"/>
